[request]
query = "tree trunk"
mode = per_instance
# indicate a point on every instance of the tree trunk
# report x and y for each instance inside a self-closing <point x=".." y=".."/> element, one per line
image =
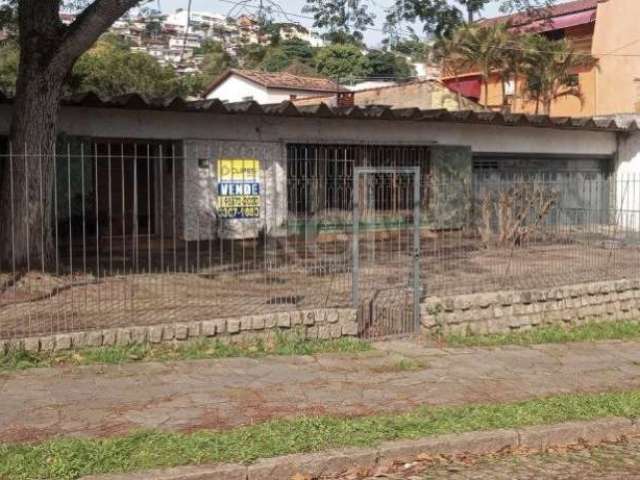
<point x="48" y="51"/>
<point x="486" y="93"/>
<point x="514" y="103"/>
<point x="26" y="189"/>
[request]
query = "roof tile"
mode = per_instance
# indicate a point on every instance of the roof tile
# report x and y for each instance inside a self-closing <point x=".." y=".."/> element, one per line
<point x="279" y="80"/>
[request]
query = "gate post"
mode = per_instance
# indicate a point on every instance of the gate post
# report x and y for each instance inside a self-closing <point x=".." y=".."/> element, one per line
<point x="417" y="252"/>
<point x="355" y="268"/>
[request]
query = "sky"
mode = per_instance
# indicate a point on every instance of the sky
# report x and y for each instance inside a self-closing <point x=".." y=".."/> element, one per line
<point x="372" y="37"/>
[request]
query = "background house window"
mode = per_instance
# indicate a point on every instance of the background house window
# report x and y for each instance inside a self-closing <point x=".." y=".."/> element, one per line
<point x="573" y="80"/>
<point x="510" y="87"/>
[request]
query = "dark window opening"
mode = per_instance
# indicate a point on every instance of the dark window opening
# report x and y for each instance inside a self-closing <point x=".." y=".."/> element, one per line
<point x="320" y="177"/>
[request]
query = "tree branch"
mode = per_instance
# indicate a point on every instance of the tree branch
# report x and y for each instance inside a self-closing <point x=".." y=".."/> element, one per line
<point x="88" y="26"/>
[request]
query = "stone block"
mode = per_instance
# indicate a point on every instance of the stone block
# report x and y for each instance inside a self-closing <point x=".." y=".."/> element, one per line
<point x="109" y="337"/>
<point x="448" y="305"/>
<point x="428" y="320"/>
<point x="312" y="332"/>
<point x="208" y="328"/>
<point x="506" y="299"/>
<point x="123" y="337"/>
<point x="296" y="318"/>
<point x="156" y="334"/>
<point x="138" y="335"/>
<point x="79" y="339"/>
<point x="605" y="288"/>
<point x="221" y="326"/>
<point x="284" y="320"/>
<point x="324" y="332"/>
<point x="233" y="325"/>
<point x="335" y="330"/>
<point x="350" y="329"/>
<point x="270" y="321"/>
<point x="433" y="305"/>
<point x="333" y="316"/>
<point x="94" y="338"/>
<point x="309" y="318"/>
<point x="47" y="344"/>
<point x="195" y="329"/>
<point x="181" y="331"/>
<point x="169" y="332"/>
<point x="63" y="342"/>
<point x="32" y="344"/>
<point x="258" y="323"/>
<point x="462" y="303"/>
<point x="246" y="323"/>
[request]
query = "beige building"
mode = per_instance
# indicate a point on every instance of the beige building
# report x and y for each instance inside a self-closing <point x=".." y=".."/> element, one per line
<point x="607" y="29"/>
<point x="423" y="94"/>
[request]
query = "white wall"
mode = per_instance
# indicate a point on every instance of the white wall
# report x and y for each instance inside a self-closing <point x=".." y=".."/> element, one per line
<point x="236" y="88"/>
<point x="627" y="184"/>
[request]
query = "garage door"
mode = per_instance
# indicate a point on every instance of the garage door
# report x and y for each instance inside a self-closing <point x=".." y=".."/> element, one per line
<point x="582" y="183"/>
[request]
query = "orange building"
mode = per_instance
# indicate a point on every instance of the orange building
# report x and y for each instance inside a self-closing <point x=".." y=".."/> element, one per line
<point x="608" y="29"/>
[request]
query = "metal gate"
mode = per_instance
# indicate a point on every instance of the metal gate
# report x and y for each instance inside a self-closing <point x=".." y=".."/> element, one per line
<point x="386" y="250"/>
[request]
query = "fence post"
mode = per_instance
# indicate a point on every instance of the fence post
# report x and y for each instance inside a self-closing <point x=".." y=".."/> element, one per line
<point x="417" y="287"/>
<point x="355" y="271"/>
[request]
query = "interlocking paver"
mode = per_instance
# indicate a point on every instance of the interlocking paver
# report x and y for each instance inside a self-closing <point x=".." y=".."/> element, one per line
<point x="106" y="400"/>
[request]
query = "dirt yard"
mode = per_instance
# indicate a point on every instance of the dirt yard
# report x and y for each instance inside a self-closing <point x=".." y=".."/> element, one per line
<point x="37" y="303"/>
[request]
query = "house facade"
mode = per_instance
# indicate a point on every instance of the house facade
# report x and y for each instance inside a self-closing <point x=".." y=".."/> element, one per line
<point x="263" y="87"/>
<point x="178" y="151"/>
<point x="171" y="211"/>
<point x="605" y="29"/>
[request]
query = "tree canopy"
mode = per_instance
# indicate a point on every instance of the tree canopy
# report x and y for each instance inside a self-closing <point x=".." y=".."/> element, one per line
<point x="442" y="17"/>
<point x="343" y="62"/>
<point x="343" y="21"/>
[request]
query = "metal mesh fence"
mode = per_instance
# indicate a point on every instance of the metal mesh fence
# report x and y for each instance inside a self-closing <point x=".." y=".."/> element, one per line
<point x="152" y="232"/>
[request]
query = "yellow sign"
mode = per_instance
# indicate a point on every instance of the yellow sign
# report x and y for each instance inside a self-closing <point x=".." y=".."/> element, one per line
<point x="239" y="188"/>
<point x="239" y="170"/>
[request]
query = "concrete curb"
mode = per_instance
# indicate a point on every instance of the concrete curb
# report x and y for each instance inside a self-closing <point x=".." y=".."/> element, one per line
<point x="338" y="461"/>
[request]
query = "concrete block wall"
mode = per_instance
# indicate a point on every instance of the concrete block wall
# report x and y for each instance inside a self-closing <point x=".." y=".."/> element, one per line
<point x="503" y="312"/>
<point x="201" y="221"/>
<point x="310" y="324"/>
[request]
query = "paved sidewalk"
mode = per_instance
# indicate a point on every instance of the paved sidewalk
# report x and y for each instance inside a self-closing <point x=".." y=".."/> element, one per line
<point x="113" y="400"/>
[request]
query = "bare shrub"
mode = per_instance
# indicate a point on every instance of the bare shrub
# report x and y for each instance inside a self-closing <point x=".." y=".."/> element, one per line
<point x="519" y="212"/>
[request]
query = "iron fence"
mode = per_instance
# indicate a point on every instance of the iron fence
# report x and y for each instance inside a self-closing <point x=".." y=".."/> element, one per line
<point x="114" y="233"/>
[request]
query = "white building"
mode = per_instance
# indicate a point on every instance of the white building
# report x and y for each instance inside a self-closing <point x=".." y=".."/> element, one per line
<point x="263" y="87"/>
<point x="291" y="31"/>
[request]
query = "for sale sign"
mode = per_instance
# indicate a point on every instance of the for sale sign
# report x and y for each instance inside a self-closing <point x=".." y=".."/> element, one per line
<point x="238" y="188"/>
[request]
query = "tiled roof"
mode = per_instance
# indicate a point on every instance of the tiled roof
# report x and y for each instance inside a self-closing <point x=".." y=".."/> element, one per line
<point x="279" y="80"/>
<point x="560" y="9"/>
<point x="134" y="101"/>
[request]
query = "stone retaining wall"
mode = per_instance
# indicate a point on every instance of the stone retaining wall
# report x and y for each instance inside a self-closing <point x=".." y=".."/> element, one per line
<point x="312" y="324"/>
<point x="501" y="312"/>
